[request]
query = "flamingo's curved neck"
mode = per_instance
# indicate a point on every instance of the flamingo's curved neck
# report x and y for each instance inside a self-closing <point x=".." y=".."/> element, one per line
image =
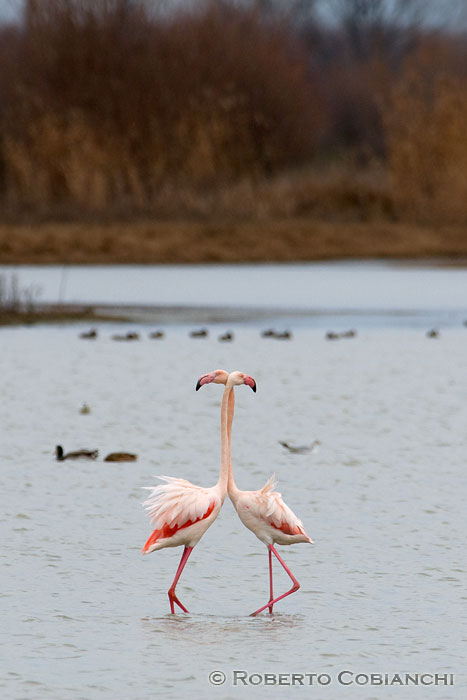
<point x="225" y="442"/>
<point x="232" y="487"/>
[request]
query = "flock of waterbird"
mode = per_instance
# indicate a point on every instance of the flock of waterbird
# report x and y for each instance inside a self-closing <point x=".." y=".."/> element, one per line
<point x="226" y="337"/>
<point x="181" y="512"/>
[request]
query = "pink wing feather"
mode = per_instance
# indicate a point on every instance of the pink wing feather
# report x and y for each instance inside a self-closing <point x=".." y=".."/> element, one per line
<point x="275" y="512"/>
<point x="176" y="505"/>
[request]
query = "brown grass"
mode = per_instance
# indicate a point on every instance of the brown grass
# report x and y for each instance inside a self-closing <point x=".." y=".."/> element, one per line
<point x="426" y="140"/>
<point x="107" y="106"/>
<point x="282" y="240"/>
<point x="222" y="130"/>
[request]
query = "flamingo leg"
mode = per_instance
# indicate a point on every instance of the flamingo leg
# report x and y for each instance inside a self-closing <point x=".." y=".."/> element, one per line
<point x="294" y="588"/>
<point x="172" y="597"/>
<point x="271" y="593"/>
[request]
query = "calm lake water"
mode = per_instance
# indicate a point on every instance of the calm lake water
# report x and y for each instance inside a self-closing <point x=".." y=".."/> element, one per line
<point x="86" y="617"/>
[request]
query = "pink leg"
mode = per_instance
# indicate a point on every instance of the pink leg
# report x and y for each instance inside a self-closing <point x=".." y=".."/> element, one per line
<point x="172" y="597"/>
<point x="271" y="594"/>
<point x="294" y="588"/>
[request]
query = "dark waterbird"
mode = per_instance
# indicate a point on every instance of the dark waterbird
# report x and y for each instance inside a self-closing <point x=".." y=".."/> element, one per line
<point x="331" y="335"/>
<point x="131" y="335"/>
<point x="77" y="454"/>
<point x="121" y="457"/>
<point x="89" y="335"/>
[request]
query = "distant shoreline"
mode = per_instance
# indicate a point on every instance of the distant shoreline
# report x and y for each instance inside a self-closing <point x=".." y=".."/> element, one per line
<point x="197" y="242"/>
<point x="94" y="314"/>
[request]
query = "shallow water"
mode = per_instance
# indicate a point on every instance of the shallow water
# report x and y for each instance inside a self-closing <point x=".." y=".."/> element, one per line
<point x="342" y="286"/>
<point x="382" y="590"/>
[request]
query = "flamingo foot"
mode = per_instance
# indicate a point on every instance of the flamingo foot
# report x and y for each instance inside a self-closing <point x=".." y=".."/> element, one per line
<point x="173" y="599"/>
<point x="269" y="605"/>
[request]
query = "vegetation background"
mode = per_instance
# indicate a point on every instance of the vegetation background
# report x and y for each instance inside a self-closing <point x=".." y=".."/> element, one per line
<point x="233" y="130"/>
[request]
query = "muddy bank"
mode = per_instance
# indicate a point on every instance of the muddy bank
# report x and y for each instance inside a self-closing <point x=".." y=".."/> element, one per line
<point x="61" y="313"/>
<point x="286" y="240"/>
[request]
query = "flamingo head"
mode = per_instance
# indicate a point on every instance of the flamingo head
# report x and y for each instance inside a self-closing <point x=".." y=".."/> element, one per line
<point x="219" y="376"/>
<point x="237" y="378"/>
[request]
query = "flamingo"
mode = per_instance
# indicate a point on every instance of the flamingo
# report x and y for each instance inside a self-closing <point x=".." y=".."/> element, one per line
<point x="182" y="511"/>
<point x="264" y="512"/>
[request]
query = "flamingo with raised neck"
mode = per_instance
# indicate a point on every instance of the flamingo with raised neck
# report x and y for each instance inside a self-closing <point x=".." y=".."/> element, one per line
<point x="181" y="511"/>
<point x="263" y="511"/>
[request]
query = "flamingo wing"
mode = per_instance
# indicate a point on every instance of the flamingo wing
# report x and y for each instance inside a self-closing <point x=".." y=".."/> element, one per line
<point x="175" y="505"/>
<point x="271" y="508"/>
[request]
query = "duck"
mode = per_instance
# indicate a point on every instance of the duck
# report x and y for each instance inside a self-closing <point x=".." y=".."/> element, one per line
<point x="285" y="335"/>
<point x="131" y="335"/>
<point x="330" y="335"/>
<point x="226" y="337"/>
<point x="89" y="335"/>
<point x="77" y="454"/>
<point x="156" y="335"/>
<point x="121" y="457"/>
<point x="433" y="333"/>
<point x="303" y="449"/>
<point x="268" y="333"/>
<point x="201" y="333"/>
<point x="349" y="334"/>
<point x="85" y="410"/>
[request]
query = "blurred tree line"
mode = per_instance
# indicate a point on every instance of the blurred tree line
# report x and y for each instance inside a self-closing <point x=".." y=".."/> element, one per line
<point x="121" y="105"/>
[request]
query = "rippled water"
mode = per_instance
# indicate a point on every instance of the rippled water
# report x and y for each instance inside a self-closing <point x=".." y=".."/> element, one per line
<point x="382" y="590"/>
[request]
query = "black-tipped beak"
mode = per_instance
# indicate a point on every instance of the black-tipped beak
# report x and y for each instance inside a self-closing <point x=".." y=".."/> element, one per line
<point x="254" y="387"/>
<point x="198" y="385"/>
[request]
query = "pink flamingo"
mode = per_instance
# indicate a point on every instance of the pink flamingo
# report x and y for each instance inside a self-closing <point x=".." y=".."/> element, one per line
<point x="263" y="511"/>
<point x="182" y="511"/>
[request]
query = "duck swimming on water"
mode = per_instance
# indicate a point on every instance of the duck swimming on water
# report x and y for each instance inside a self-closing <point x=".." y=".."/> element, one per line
<point x="121" y="457"/>
<point x="77" y="454"/>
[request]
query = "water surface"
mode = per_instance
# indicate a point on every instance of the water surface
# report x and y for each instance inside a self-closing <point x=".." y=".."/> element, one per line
<point x="84" y="616"/>
<point x="382" y="286"/>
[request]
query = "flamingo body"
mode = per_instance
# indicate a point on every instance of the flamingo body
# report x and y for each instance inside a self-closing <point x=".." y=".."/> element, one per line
<point x="265" y="513"/>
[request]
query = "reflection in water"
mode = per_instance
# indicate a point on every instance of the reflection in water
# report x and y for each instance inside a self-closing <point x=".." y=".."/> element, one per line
<point x="207" y="629"/>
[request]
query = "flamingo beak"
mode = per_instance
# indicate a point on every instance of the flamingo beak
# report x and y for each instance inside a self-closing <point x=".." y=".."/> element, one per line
<point x="205" y="379"/>
<point x="249" y="381"/>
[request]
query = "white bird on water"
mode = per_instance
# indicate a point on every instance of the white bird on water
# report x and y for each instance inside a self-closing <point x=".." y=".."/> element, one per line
<point x="302" y="449"/>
